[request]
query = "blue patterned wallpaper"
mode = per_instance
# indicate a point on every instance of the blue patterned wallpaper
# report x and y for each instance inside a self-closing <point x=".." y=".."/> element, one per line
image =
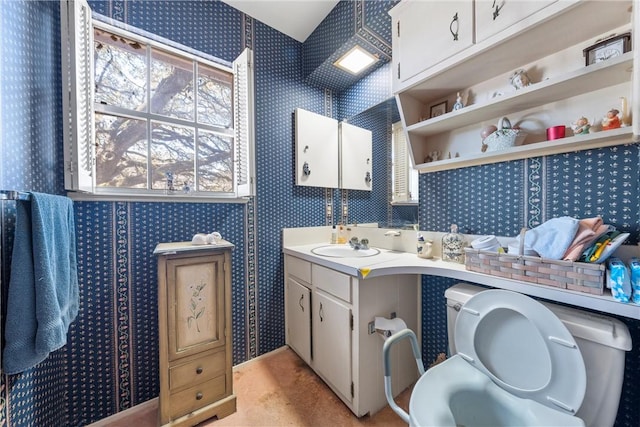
<point x="110" y="362"/>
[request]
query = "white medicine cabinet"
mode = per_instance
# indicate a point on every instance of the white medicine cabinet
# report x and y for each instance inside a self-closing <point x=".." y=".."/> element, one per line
<point x="331" y="154"/>
<point x="485" y="48"/>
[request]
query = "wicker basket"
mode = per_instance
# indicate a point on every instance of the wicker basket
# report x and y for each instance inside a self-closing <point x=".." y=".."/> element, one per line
<point x="504" y="137"/>
<point x="575" y="276"/>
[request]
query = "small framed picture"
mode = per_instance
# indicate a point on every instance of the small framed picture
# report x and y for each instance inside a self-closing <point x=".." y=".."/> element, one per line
<point x="438" y="109"/>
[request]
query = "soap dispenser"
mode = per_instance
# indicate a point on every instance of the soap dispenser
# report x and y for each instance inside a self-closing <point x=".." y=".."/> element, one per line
<point x="453" y="246"/>
<point x="334" y="235"/>
<point x="342" y="235"/>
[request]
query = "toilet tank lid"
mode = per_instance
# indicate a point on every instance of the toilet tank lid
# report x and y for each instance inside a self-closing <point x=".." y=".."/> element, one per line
<point x="593" y="327"/>
<point x="600" y="329"/>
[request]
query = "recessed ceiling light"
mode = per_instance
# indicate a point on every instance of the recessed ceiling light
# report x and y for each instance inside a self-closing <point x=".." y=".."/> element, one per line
<point x="355" y="60"/>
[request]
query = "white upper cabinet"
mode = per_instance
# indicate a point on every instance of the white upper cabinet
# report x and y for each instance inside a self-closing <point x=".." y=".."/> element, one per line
<point x="493" y="16"/>
<point x="426" y="32"/>
<point x="316" y="150"/>
<point x="355" y="157"/>
<point x="331" y="154"/>
<point x="546" y="39"/>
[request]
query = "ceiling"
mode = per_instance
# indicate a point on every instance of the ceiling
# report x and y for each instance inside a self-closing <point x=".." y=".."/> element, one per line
<point x="295" y="18"/>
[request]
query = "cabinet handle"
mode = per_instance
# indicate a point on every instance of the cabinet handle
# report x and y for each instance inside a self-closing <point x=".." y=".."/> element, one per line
<point x="199" y="396"/>
<point x="496" y="9"/>
<point x="300" y="302"/>
<point x="454" y="21"/>
<point x="306" y="170"/>
<point x="367" y="177"/>
<point x="199" y="370"/>
<point x="320" y="313"/>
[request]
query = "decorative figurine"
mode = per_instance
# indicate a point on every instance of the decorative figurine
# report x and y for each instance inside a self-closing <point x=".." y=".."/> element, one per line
<point x="520" y="79"/>
<point x="433" y="156"/>
<point x="458" y="104"/>
<point x="611" y="121"/>
<point x="581" y="126"/>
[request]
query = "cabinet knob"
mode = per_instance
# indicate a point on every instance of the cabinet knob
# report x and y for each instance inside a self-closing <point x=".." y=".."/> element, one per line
<point x="199" y="396"/>
<point x="199" y="370"/>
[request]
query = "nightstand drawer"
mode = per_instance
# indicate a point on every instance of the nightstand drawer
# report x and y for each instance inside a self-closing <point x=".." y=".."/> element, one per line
<point x="196" y="370"/>
<point x="199" y="396"/>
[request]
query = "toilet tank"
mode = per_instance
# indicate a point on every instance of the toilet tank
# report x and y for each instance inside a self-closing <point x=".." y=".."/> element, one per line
<point x="602" y="341"/>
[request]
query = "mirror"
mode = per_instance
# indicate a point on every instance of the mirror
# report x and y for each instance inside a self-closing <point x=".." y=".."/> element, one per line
<point x="379" y="119"/>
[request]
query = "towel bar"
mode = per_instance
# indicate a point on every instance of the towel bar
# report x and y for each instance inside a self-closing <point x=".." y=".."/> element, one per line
<point x="13" y="195"/>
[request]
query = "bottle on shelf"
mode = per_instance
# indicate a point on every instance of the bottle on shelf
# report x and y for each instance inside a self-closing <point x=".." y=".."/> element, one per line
<point x="453" y="246"/>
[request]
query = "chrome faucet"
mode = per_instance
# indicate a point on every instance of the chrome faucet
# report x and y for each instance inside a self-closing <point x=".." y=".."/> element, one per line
<point x="359" y="244"/>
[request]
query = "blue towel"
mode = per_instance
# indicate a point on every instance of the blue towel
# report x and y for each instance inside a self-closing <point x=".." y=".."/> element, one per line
<point x="43" y="288"/>
<point x="551" y="239"/>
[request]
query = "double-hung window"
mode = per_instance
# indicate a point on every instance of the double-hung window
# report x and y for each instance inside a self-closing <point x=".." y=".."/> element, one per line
<point x="143" y="117"/>
<point x="404" y="177"/>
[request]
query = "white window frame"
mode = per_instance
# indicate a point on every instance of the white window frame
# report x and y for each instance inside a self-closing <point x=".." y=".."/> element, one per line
<point x="404" y="177"/>
<point x="77" y="26"/>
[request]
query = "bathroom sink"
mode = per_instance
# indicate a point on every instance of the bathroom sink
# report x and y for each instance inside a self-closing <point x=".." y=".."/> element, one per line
<point x="344" y="251"/>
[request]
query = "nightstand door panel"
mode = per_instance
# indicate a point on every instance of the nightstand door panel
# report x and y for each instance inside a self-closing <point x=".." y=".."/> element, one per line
<point x="196" y="304"/>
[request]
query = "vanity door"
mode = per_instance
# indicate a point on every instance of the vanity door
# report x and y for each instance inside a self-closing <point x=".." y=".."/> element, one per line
<point x="332" y="342"/>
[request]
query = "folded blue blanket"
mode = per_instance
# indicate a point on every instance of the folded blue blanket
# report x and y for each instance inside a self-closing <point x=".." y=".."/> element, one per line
<point x="552" y="238"/>
<point x="43" y="287"/>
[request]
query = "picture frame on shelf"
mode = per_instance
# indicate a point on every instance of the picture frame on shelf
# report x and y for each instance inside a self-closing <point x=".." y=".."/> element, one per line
<point x="611" y="47"/>
<point x="438" y="109"/>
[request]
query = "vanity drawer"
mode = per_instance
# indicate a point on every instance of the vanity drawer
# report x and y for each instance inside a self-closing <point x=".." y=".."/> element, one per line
<point x="331" y="281"/>
<point x="299" y="268"/>
<point x="199" y="396"/>
<point x="197" y="370"/>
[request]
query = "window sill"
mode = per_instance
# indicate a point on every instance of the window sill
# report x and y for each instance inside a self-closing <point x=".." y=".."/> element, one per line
<point x="174" y="198"/>
<point x="405" y="203"/>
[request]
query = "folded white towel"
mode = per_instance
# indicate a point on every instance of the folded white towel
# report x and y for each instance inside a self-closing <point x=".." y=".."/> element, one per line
<point x="552" y="238"/>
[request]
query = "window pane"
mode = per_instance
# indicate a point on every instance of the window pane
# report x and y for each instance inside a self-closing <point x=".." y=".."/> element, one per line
<point x="171" y="85"/>
<point x="172" y="152"/>
<point x="215" y="97"/>
<point x="215" y="162"/>
<point x="121" y="152"/>
<point x="120" y="71"/>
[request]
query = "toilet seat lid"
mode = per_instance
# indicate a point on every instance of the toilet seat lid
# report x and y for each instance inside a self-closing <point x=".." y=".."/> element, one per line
<point x="523" y="347"/>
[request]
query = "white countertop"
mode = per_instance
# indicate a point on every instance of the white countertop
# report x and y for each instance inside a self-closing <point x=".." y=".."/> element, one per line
<point x="391" y="262"/>
<point x="175" y="247"/>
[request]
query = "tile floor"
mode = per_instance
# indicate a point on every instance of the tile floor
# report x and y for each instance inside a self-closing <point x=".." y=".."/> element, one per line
<point x="279" y="389"/>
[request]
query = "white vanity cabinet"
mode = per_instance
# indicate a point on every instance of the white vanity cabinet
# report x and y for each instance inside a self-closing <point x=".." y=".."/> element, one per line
<point x="546" y="39"/>
<point x="336" y="338"/>
<point x="426" y="32"/>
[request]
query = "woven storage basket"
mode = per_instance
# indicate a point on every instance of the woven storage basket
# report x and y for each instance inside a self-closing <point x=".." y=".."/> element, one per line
<point x="504" y="137"/>
<point x="575" y="276"/>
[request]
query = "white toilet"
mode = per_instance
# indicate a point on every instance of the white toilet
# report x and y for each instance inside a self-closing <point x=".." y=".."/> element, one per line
<point x="520" y="362"/>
